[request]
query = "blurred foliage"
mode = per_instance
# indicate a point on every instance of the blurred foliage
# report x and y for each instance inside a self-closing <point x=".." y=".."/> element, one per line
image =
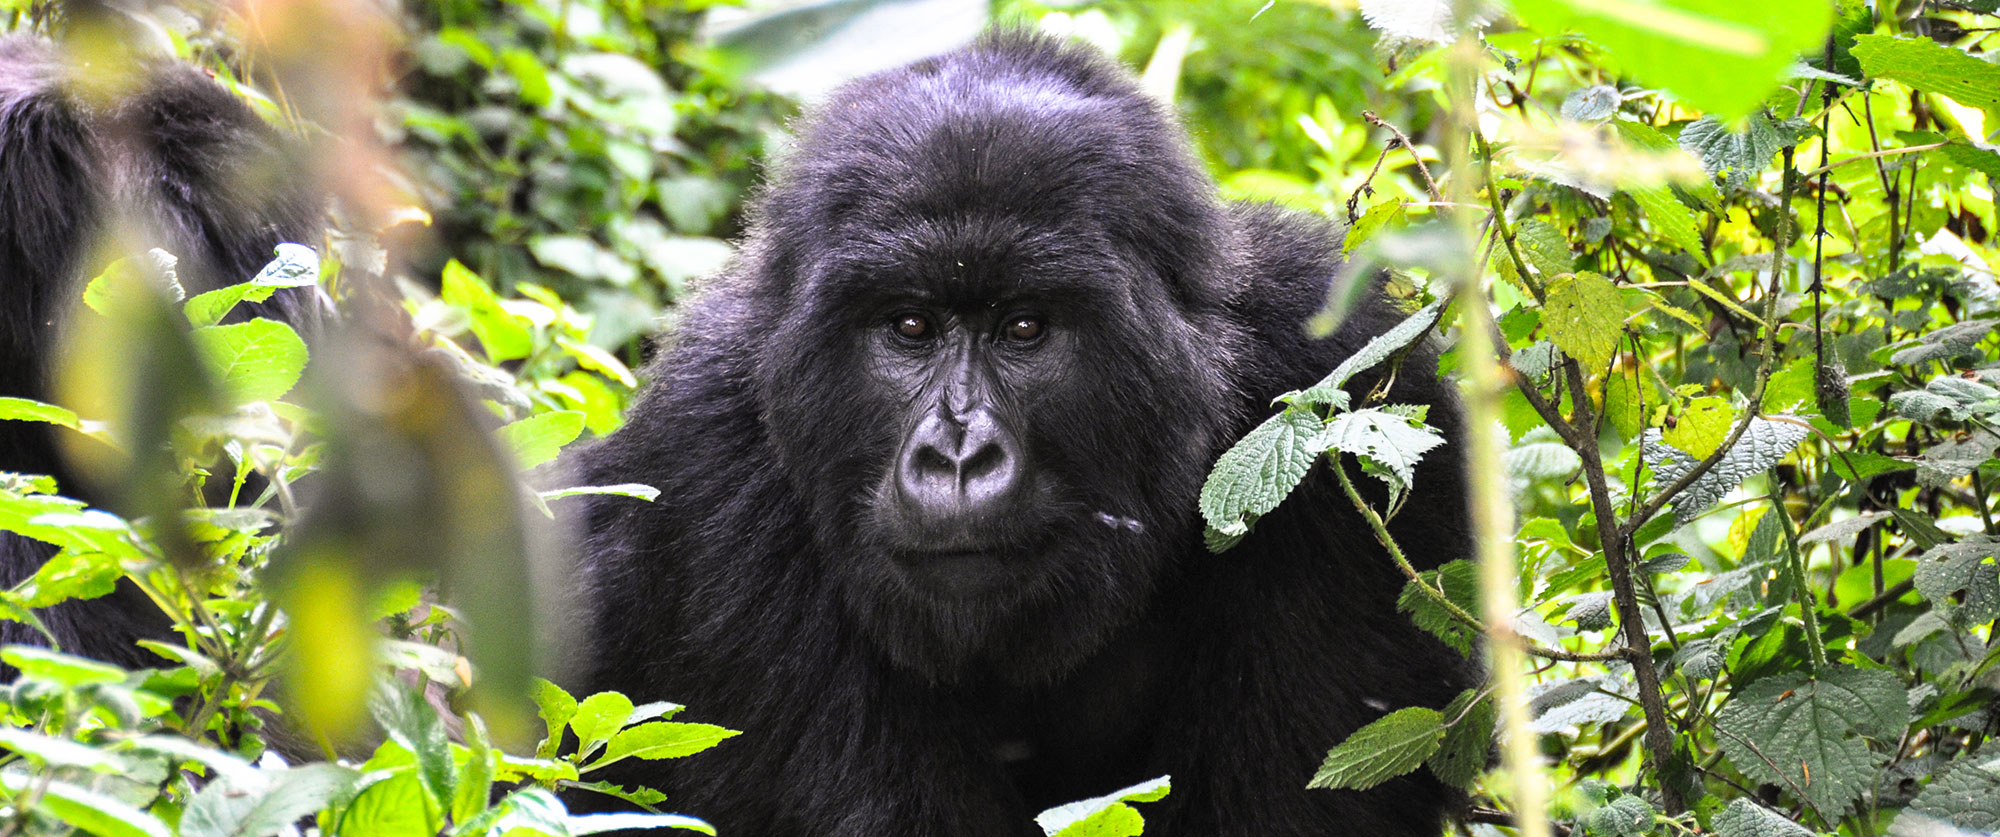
<point x="1799" y="642"/>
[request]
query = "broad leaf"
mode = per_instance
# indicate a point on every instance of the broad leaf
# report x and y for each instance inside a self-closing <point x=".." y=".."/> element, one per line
<point x="1103" y="816"/>
<point x="1585" y="316"/>
<point x="1928" y="65"/>
<point x="1967" y="573"/>
<point x="1805" y="735"/>
<point x="1251" y="478"/>
<point x="1384" y="441"/>
<point x="1764" y="443"/>
<point x="1393" y="745"/>
<point x="1744" y="818"/>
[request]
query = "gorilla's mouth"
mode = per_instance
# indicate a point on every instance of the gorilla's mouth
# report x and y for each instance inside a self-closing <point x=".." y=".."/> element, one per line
<point x="963" y="573"/>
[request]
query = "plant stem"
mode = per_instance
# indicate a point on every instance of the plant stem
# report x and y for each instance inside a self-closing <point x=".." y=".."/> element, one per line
<point x="1492" y="509"/>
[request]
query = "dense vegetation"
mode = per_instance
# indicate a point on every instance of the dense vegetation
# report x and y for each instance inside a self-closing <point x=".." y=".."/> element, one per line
<point x="1719" y="276"/>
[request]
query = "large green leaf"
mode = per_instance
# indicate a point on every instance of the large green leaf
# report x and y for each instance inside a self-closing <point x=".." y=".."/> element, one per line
<point x="1720" y="56"/>
<point x="1966" y="572"/>
<point x="1928" y="65"/>
<point x="1585" y="316"/>
<point x="1806" y="735"/>
<point x="1393" y="745"/>
<point x="260" y="360"/>
<point x="1103" y="816"/>
<point x="1251" y="478"/>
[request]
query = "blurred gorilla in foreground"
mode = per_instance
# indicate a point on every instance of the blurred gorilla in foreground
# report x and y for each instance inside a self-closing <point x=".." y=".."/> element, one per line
<point x="176" y="162"/>
<point x="929" y="454"/>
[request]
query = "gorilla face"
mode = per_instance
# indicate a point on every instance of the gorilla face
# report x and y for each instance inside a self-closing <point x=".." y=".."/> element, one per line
<point x="999" y="401"/>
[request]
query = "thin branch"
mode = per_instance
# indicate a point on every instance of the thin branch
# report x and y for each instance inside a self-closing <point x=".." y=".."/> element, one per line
<point x="1430" y="185"/>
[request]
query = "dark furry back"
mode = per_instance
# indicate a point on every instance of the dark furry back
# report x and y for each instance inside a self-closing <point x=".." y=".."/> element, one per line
<point x="180" y="164"/>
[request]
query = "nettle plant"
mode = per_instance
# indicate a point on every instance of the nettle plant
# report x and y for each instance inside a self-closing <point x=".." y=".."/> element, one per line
<point x="288" y="639"/>
<point x="1719" y="281"/>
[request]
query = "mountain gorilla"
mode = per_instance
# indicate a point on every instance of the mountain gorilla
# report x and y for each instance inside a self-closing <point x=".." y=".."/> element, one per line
<point x="929" y="453"/>
<point x="183" y="165"/>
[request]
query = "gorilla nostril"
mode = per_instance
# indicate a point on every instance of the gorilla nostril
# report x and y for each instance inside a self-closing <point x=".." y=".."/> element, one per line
<point x="929" y="460"/>
<point x="990" y="457"/>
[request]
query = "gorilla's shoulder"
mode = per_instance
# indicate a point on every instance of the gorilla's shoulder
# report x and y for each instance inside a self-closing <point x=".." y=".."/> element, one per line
<point x="1290" y="269"/>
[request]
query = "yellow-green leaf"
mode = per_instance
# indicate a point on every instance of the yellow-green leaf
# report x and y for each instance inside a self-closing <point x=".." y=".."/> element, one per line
<point x="1701" y="428"/>
<point x="1584" y="315"/>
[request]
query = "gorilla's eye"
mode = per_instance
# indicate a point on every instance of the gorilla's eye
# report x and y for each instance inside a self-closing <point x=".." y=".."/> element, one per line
<point x="1023" y="328"/>
<point x="911" y="326"/>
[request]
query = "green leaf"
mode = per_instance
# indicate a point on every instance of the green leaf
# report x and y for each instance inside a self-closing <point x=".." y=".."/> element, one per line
<point x="259" y="360"/>
<point x="414" y="725"/>
<point x="1459" y="581"/>
<point x="1966" y="794"/>
<point x="1716" y="55"/>
<point x="1671" y="220"/>
<point x="556" y="707"/>
<point x="296" y="266"/>
<point x="1544" y="247"/>
<point x="1585" y="316"/>
<point x="539" y="438"/>
<point x="1104" y="816"/>
<point x="1734" y="156"/>
<point x="1966" y="573"/>
<point x="1461" y="758"/>
<point x="1764" y="444"/>
<point x="1387" y="213"/>
<point x="58" y="752"/>
<point x="1925" y="64"/>
<point x="1805" y="735"/>
<point x="394" y="807"/>
<point x="583" y="824"/>
<point x="23" y="409"/>
<point x="599" y="717"/>
<point x="662" y="740"/>
<point x="1945" y="343"/>
<point x="1252" y="477"/>
<point x="56" y="667"/>
<point x="1376" y="350"/>
<point x="1591" y="104"/>
<point x="1561" y="705"/>
<point x="1626" y="816"/>
<point x="503" y="336"/>
<point x="263" y="803"/>
<point x="1702" y="427"/>
<point x="1389" y="445"/>
<point x="87" y="810"/>
<point x="1393" y="745"/>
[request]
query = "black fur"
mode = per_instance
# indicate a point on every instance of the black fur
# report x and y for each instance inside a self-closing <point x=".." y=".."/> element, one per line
<point x="184" y="166"/>
<point x="766" y="590"/>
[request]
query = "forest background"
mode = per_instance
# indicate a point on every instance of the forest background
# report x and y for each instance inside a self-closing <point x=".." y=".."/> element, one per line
<point x="1739" y="566"/>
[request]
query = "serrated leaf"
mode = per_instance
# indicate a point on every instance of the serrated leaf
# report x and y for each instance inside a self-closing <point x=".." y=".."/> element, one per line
<point x="1383" y="439"/>
<point x="1702" y="427"/>
<point x="1459" y="581"/>
<point x="1965" y="794"/>
<point x="1744" y="818"/>
<point x="1626" y="816"/>
<point x="1089" y="817"/>
<point x="540" y="438"/>
<point x="1540" y="455"/>
<point x="1253" y="476"/>
<point x="264" y="804"/>
<point x="500" y="333"/>
<point x="1585" y="316"/>
<point x="259" y="360"/>
<point x="1717" y="56"/>
<point x="1984" y="159"/>
<point x="1384" y="345"/>
<point x="1956" y="457"/>
<point x="1591" y="611"/>
<point x="1966" y="573"/>
<point x="1764" y="444"/>
<point x="1625" y="403"/>
<point x="1805" y="735"/>
<point x="1735" y="157"/>
<point x="1944" y="344"/>
<point x="1544" y="247"/>
<point x="1558" y="706"/>
<point x="1591" y="104"/>
<point x="1928" y="65"/>
<point x="1672" y="220"/>
<point x="1393" y="745"/>
<point x="1840" y="530"/>
<point x="1468" y="738"/>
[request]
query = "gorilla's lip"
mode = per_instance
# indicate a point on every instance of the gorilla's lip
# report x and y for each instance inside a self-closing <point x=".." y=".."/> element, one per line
<point x="960" y="572"/>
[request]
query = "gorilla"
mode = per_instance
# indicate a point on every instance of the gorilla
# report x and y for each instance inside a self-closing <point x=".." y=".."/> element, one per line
<point x="185" y="166"/>
<point x="929" y="451"/>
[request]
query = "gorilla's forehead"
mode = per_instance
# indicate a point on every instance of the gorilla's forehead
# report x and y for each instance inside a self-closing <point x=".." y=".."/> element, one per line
<point x="973" y="256"/>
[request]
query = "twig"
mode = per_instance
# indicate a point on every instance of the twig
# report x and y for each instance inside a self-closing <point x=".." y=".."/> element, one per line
<point x="1404" y="140"/>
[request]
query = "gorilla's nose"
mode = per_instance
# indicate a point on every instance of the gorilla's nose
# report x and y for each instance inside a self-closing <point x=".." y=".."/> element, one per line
<point x="954" y="468"/>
